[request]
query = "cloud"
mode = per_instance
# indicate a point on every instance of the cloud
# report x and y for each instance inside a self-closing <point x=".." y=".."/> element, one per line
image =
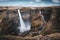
<point x="3" y="0"/>
<point x="56" y="1"/>
<point x="37" y="0"/>
<point x="31" y="2"/>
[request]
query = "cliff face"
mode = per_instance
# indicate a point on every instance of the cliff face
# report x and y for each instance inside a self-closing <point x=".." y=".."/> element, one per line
<point x="52" y="25"/>
<point x="9" y="22"/>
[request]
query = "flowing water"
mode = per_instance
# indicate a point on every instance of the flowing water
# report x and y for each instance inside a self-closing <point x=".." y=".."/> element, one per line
<point x="42" y="16"/>
<point x="43" y="23"/>
<point x="23" y="27"/>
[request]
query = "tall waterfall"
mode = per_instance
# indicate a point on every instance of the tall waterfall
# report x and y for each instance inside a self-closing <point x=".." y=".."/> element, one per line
<point x="42" y="16"/>
<point x="23" y="26"/>
<point x="43" y="23"/>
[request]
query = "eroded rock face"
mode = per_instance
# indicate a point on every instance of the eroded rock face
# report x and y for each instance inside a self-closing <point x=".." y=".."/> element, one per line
<point x="37" y="22"/>
<point x="51" y="24"/>
<point x="9" y="23"/>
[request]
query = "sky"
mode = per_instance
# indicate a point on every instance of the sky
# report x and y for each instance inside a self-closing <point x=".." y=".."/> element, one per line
<point x="29" y="2"/>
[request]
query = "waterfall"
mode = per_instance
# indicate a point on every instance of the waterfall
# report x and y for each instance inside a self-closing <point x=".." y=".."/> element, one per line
<point x="43" y="23"/>
<point x="23" y="26"/>
<point x="41" y="15"/>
